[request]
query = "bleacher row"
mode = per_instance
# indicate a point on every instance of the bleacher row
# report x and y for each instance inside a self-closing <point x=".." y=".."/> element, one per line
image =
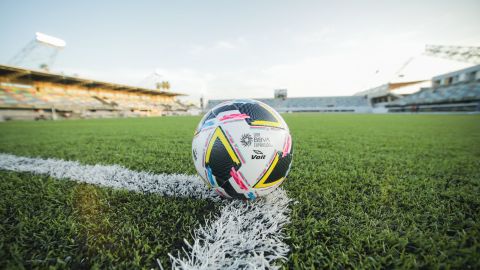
<point x="457" y="91"/>
<point x="449" y="94"/>
<point x="14" y="97"/>
<point x="313" y="104"/>
<point x="30" y="98"/>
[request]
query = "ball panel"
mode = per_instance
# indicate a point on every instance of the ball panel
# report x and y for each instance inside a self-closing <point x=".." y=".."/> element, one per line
<point x="199" y="147"/>
<point x="264" y="191"/>
<point x="229" y="188"/>
<point x="208" y="116"/>
<point x="221" y="163"/>
<point x="225" y="108"/>
<point x="261" y="183"/>
<point x="220" y="157"/>
<point x="222" y="192"/>
<point x="254" y="158"/>
<point x="279" y="170"/>
<point x="256" y="112"/>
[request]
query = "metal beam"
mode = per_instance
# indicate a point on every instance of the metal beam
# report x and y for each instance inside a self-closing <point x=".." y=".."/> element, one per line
<point x="469" y="54"/>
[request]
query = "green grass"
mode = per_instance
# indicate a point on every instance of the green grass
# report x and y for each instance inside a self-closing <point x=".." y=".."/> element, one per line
<point x="371" y="191"/>
<point x="46" y="222"/>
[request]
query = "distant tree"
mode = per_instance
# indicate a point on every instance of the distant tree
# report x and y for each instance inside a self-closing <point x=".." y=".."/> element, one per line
<point x="44" y="67"/>
<point x="165" y="85"/>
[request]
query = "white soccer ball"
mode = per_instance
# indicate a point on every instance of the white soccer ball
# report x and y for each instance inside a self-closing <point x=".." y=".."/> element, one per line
<point x="242" y="149"/>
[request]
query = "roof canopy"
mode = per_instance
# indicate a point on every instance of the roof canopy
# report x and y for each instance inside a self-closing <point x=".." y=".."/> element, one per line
<point x="16" y="74"/>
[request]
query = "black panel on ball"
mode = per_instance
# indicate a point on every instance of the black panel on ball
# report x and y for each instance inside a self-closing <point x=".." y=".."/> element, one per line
<point x="231" y="191"/>
<point x="280" y="169"/>
<point x="210" y="115"/>
<point x="229" y="107"/>
<point x="220" y="162"/>
<point x="256" y="112"/>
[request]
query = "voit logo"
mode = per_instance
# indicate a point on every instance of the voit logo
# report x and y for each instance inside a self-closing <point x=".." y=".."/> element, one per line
<point x="258" y="155"/>
<point x="259" y="141"/>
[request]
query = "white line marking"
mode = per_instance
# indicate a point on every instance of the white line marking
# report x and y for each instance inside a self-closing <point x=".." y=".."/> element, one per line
<point x="247" y="235"/>
<point x="115" y="176"/>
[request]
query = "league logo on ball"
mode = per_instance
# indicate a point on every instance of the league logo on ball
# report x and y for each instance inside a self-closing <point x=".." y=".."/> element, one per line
<point x="242" y="149"/>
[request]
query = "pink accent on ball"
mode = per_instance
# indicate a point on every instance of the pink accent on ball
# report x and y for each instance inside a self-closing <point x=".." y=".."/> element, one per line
<point x="287" y="147"/>
<point x="234" y="116"/>
<point x="237" y="179"/>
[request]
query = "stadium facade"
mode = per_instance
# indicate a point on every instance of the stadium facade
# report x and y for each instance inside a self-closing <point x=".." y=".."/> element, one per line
<point x="457" y="91"/>
<point x="415" y="87"/>
<point x="413" y="76"/>
<point x="352" y="104"/>
<point x="31" y="94"/>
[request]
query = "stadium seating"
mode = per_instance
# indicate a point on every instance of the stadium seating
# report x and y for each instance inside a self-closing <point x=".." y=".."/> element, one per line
<point x="318" y="104"/>
<point x="453" y="97"/>
<point x="81" y="103"/>
<point x="454" y="93"/>
<point x="71" y="99"/>
<point x="19" y="97"/>
<point x="34" y="94"/>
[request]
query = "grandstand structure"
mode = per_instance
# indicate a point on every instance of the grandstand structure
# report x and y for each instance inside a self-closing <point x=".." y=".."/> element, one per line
<point x="33" y="94"/>
<point x="352" y="104"/>
<point x="457" y="91"/>
<point x="381" y="95"/>
<point x="415" y="87"/>
<point x="417" y="72"/>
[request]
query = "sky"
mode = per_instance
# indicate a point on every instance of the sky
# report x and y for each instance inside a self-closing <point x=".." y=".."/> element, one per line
<point x="240" y="49"/>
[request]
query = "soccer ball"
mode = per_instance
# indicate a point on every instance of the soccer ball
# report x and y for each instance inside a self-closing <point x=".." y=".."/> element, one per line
<point x="242" y="149"/>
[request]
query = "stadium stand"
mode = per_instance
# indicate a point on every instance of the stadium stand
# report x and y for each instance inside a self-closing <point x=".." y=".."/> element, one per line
<point x="416" y="73"/>
<point x="409" y="88"/>
<point x="29" y="94"/>
<point x="457" y="91"/>
<point x="356" y="104"/>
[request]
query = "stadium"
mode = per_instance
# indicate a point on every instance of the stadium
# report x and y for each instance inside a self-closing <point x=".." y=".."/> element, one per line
<point x="415" y="87"/>
<point x="30" y="94"/>
<point x="118" y="169"/>
<point x="453" y="85"/>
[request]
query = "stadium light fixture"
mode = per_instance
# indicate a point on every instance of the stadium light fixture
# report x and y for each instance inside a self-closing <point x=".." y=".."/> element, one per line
<point x="49" y="40"/>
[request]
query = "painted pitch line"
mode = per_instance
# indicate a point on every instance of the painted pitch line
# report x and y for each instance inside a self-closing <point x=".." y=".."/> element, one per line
<point x="247" y="235"/>
<point x="115" y="176"/>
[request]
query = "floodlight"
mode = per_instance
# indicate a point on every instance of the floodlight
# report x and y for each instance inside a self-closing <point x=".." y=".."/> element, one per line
<point x="49" y="40"/>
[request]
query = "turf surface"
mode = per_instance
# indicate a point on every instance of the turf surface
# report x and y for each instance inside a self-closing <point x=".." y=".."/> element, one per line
<point x="372" y="191"/>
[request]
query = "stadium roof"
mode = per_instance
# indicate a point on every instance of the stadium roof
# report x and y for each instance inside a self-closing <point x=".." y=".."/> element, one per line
<point x="424" y="67"/>
<point x="16" y="74"/>
<point x="417" y="72"/>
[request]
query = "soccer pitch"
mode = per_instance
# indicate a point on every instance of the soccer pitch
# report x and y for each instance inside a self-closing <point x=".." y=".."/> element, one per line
<point x="367" y="191"/>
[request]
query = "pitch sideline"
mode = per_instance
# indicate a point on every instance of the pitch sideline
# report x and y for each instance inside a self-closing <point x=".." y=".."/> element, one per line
<point x="243" y="235"/>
